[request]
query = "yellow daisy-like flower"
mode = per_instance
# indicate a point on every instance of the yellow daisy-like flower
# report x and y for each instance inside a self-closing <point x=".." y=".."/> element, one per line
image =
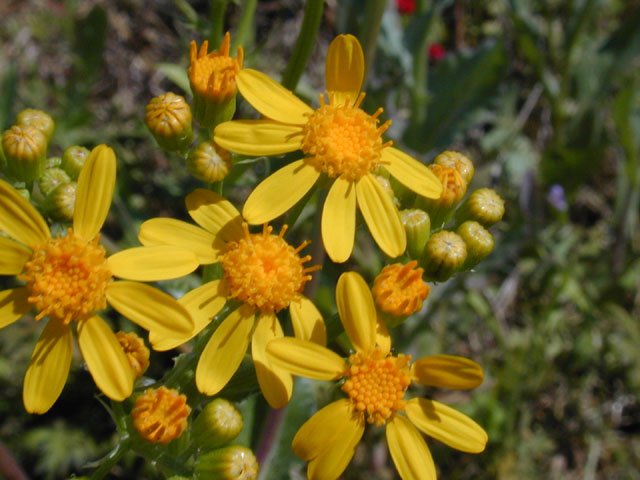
<point x="68" y="278"/>
<point x="375" y="382"/>
<point x="261" y="270"/>
<point x="338" y="139"/>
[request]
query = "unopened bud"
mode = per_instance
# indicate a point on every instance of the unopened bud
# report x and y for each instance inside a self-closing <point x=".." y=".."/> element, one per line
<point x="453" y="190"/>
<point x="444" y="254"/>
<point x="51" y="178"/>
<point x="25" y="151"/>
<point x="52" y="162"/>
<point x="478" y="240"/>
<point x="418" y="227"/>
<point x="229" y="463"/>
<point x="61" y="201"/>
<point x="209" y="162"/>
<point x="399" y="291"/>
<point x="160" y="415"/>
<point x="484" y="206"/>
<point x="136" y="351"/>
<point x="218" y="423"/>
<point x="168" y="118"/>
<point x="37" y="119"/>
<point x="73" y="159"/>
<point x="457" y="160"/>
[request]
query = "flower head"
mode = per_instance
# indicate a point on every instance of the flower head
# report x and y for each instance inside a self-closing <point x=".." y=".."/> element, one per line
<point x="339" y="140"/>
<point x="25" y="150"/>
<point x="160" y="414"/>
<point x="168" y="118"/>
<point x="136" y="351"/>
<point x="399" y="289"/>
<point x="376" y="383"/>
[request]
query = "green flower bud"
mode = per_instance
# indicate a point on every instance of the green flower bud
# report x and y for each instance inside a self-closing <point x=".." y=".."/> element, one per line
<point x="418" y="227"/>
<point x="444" y="254"/>
<point x="168" y="118"/>
<point x="218" y="423"/>
<point x="457" y="160"/>
<point x="53" y="162"/>
<point x="25" y="150"/>
<point x="454" y="187"/>
<point x="209" y="162"/>
<point x="37" y="119"/>
<point x="478" y="240"/>
<point x="484" y="206"/>
<point x="229" y="463"/>
<point x="61" y="201"/>
<point x="51" y="178"/>
<point x="73" y="159"/>
<point x="24" y="192"/>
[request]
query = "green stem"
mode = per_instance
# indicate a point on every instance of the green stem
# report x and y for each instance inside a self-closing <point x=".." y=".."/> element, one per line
<point x="107" y="463"/>
<point x="216" y="15"/>
<point x="370" y="30"/>
<point x="244" y="30"/>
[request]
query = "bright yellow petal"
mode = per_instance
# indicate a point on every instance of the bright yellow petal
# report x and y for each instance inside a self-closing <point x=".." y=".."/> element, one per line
<point x="279" y="192"/>
<point x="305" y="359"/>
<point x="317" y="433"/>
<point x="381" y="216"/>
<point x="270" y="98"/>
<point x="203" y="303"/>
<point x="223" y="354"/>
<point x="258" y="137"/>
<point x="411" y="173"/>
<point x="19" y="219"/>
<point x="13" y="256"/>
<point x="48" y="368"/>
<point x="275" y="383"/>
<point x="344" y="68"/>
<point x="13" y="305"/>
<point x="447" y="371"/>
<point x="168" y="231"/>
<point x="105" y="358"/>
<point x="357" y="311"/>
<point x="339" y="220"/>
<point x="307" y="321"/>
<point x="383" y="339"/>
<point x="447" y="425"/>
<point x="149" y="264"/>
<point x="409" y="451"/>
<point x="150" y="308"/>
<point x="95" y="191"/>
<point x="215" y="214"/>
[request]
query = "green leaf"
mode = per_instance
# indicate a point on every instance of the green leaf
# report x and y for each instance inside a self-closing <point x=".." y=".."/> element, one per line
<point x="177" y="74"/>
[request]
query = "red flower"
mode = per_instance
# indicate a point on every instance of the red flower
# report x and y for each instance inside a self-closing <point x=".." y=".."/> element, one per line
<point x="406" y="6"/>
<point x="436" y="52"/>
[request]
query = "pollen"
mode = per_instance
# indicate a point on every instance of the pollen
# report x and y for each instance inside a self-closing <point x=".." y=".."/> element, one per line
<point x="160" y="415"/>
<point x="67" y="277"/>
<point x="399" y="289"/>
<point x="136" y="351"/>
<point x="376" y="384"/>
<point x="341" y="139"/>
<point x="264" y="271"/>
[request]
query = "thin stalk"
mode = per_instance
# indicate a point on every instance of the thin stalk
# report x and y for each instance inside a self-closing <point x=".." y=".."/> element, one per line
<point x="113" y="457"/>
<point x="370" y="30"/>
<point x="244" y="28"/>
<point x="216" y="15"/>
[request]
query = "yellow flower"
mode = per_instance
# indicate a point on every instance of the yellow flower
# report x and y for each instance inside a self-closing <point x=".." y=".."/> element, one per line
<point x="160" y="415"/>
<point x="376" y="382"/>
<point x="399" y="289"/>
<point x="261" y="270"/>
<point x="338" y="139"/>
<point x="68" y="278"/>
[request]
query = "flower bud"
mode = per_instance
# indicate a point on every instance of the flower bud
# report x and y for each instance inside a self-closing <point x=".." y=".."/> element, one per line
<point x="61" y="201"/>
<point x="73" y="159"/>
<point x="37" y="119"/>
<point x="444" y="254"/>
<point x="457" y="160"/>
<point x="213" y="82"/>
<point x="218" y="423"/>
<point x="52" y="162"/>
<point x="136" y="351"/>
<point x="51" y="178"/>
<point x="160" y="415"/>
<point x="453" y="189"/>
<point x="478" y="240"/>
<point x="399" y="291"/>
<point x="418" y="227"/>
<point x="168" y="117"/>
<point x="484" y="206"/>
<point x="25" y="151"/>
<point x="229" y="463"/>
<point x="209" y="162"/>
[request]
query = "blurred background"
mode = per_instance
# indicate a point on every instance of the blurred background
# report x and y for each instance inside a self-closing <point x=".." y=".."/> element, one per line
<point x="543" y="96"/>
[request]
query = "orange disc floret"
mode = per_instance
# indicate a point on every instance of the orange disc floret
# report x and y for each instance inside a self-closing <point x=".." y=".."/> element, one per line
<point x="136" y="351"/>
<point x="67" y="277"/>
<point x="453" y="185"/>
<point x="160" y="415"/>
<point x="399" y="289"/>
<point x="376" y="384"/>
<point x="264" y="271"/>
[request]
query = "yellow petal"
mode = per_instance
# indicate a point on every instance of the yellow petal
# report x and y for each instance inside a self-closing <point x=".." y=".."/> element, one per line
<point x="13" y="305"/>
<point x="223" y="354"/>
<point x="409" y="451"/>
<point x="148" y="264"/>
<point x="48" y="368"/>
<point x="381" y="215"/>
<point x="305" y="359"/>
<point x="270" y="98"/>
<point x="339" y="220"/>
<point x="150" y="308"/>
<point x="13" y="256"/>
<point x="383" y="339"/>
<point x="105" y="358"/>
<point x="19" y="219"/>
<point x="168" y="231"/>
<point x="344" y="68"/>
<point x="411" y="173"/>
<point x="307" y="321"/>
<point x="357" y="311"/>
<point x="279" y="192"/>
<point x="447" y="425"/>
<point x="275" y="383"/>
<point x="447" y="371"/>
<point x="258" y="137"/>
<point x="215" y="214"/>
<point x="317" y="433"/>
<point x="96" y="182"/>
<point x="203" y="303"/>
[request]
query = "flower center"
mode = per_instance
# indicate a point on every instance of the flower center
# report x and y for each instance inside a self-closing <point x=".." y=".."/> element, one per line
<point x="399" y="289"/>
<point x="341" y="139"/>
<point x="264" y="271"/>
<point x="377" y="383"/>
<point x="67" y="277"/>
<point x="160" y="415"/>
<point x="213" y="74"/>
